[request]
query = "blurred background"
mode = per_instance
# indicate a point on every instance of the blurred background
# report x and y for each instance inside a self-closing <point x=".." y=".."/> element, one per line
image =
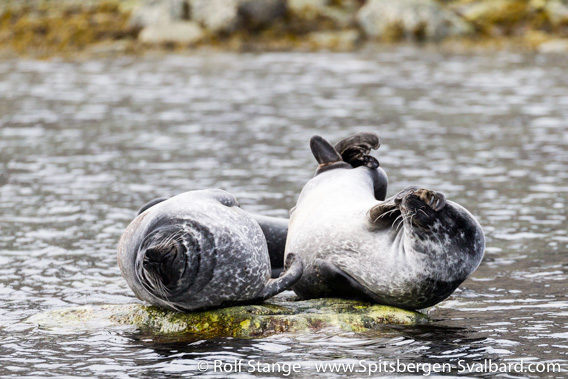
<point x="44" y="28"/>
<point x="105" y="105"/>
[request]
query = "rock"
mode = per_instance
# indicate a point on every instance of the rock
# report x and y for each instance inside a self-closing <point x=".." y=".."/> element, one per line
<point x="345" y="40"/>
<point x="258" y="13"/>
<point x="159" y="12"/>
<point x="410" y="19"/>
<point x="182" y="33"/>
<point x="307" y="9"/>
<point x="278" y="315"/>
<point x="495" y="17"/>
<point x="554" y="46"/>
<point x="557" y="12"/>
<point x="340" y="13"/>
<point x="215" y="15"/>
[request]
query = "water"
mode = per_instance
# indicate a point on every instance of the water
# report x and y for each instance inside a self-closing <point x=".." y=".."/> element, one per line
<point x="83" y="145"/>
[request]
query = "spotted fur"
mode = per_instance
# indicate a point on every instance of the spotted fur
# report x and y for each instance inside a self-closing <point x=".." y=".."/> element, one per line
<point x="410" y="251"/>
<point x="199" y="250"/>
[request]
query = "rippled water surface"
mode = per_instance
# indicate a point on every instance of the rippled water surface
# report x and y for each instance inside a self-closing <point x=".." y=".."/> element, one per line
<point x="83" y="145"/>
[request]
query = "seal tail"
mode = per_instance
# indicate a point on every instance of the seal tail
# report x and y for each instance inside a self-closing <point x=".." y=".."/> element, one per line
<point x="288" y="278"/>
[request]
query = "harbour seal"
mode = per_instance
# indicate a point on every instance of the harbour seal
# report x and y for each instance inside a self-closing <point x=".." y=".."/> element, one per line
<point x="199" y="250"/>
<point x="410" y="251"/>
<point x="275" y="230"/>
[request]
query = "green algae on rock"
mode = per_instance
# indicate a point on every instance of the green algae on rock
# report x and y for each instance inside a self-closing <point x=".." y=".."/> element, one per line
<point x="278" y="315"/>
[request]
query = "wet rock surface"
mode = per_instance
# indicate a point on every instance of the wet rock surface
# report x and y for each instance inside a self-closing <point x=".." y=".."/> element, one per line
<point x="280" y="314"/>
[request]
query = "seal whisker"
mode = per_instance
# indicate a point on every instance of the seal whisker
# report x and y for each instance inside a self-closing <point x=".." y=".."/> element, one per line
<point x="396" y="219"/>
<point x="385" y="214"/>
<point x="404" y="219"/>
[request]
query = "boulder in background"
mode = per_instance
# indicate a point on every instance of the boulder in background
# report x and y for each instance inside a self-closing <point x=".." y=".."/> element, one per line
<point x="217" y="16"/>
<point x="410" y="19"/>
<point x="181" y="33"/>
<point x="260" y="13"/>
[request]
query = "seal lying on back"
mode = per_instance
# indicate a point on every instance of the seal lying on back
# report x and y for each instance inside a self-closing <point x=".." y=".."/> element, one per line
<point x="199" y="250"/>
<point x="410" y="251"/>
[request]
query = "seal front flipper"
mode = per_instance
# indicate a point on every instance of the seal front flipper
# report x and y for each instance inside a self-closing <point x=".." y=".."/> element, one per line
<point x="384" y="213"/>
<point x="150" y="204"/>
<point x="293" y="273"/>
<point x="342" y="284"/>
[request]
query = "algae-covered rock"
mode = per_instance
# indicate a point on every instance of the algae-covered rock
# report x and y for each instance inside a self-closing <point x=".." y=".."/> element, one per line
<point x="339" y="13"/>
<point x="343" y="40"/>
<point x="496" y="17"/>
<point x="42" y="28"/>
<point x="279" y="315"/>
<point x="410" y="19"/>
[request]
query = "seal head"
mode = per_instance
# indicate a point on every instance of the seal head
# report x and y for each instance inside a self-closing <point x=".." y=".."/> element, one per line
<point x="199" y="250"/>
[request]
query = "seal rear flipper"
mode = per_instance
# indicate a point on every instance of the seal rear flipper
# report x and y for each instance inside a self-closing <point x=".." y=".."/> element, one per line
<point x="150" y="204"/>
<point x="355" y="149"/>
<point x="326" y="155"/>
<point x="289" y="277"/>
<point x="342" y="284"/>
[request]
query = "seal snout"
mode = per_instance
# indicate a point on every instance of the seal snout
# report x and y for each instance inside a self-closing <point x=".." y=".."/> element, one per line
<point x="165" y="263"/>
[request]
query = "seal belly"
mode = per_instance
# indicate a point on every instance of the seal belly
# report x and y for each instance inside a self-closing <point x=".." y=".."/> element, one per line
<point x="326" y="224"/>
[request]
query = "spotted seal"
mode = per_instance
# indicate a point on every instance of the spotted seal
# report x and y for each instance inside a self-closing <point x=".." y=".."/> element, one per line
<point x="199" y="250"/>
<point x="410" y="251"/>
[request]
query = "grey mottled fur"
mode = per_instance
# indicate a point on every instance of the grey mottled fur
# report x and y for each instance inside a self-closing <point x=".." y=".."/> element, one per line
<point x="226" y="259"/>
<point x="412" y="256"/>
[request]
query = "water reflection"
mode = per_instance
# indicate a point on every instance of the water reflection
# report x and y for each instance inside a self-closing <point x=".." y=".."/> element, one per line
<point x="83" y="145"/>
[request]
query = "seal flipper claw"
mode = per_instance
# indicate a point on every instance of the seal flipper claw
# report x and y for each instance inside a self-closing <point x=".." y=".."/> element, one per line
<point x="342" y="284"/>
<point x="355" y="149"/>
<point x="287" y="279"/>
